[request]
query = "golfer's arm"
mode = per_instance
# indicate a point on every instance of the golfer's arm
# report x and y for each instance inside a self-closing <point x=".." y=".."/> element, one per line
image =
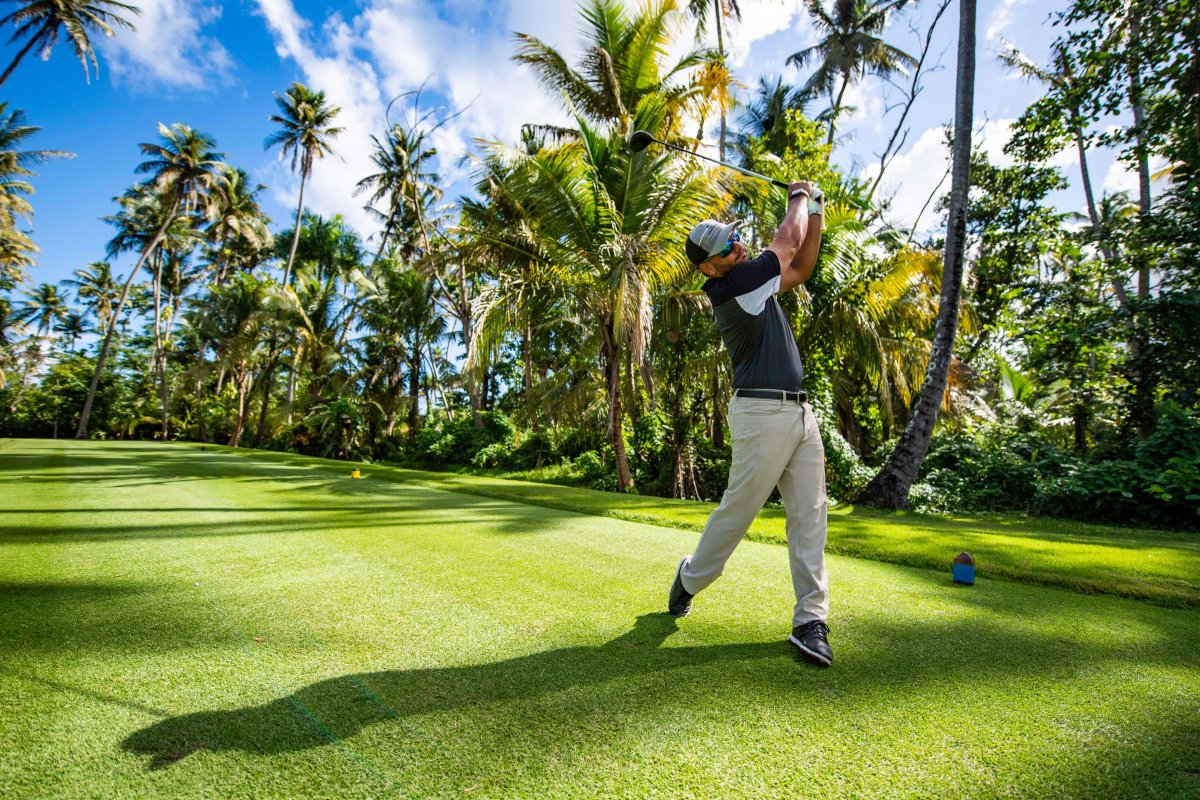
<point x="805" y="261"/>
<point x="789" y="240"/>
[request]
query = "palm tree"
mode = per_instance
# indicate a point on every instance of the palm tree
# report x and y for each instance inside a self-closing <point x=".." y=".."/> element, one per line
<point x="233" y="320"/>
<point x="10" y="328"/>
<point x="889" y="489"/>
<point x="609" y="223"/>
<point x="849" y="49"/>
<point x="305" y="132"/>
<point x="406" y="184"/>
<point x="620" y="69"/>
<point x="722" y="10"/>
<point x="405" y="324"/>
<point x="44" y="307"/>
<point x="73" y="326"/>
<point x="237" y="227"/>
<point x="15" y="163"/>
<point x="97" y="288"/>
<point x="183" y="165"/>
<point x="764" y="116"/>
<point x="41" y="21"/>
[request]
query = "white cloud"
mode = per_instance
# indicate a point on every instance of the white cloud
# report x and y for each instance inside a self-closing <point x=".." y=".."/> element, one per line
<point x="760" y="20"/>
<point x="1002" y="18"/>
<point x="394" y="47"/>
<point x="167" y="47"/>
<point x="349" y="83"/>
<point x="913" y="177"/>
<point x="1122" y="178"/>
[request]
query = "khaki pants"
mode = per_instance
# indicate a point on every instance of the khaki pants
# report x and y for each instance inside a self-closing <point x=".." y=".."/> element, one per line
<point x="775" y="443"/>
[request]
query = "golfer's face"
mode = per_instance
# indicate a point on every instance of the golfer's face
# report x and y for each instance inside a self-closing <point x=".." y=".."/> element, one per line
<point x="737" y="256"/>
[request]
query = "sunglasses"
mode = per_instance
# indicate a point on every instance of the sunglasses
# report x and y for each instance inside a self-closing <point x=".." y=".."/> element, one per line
<point x="733" y="238"/>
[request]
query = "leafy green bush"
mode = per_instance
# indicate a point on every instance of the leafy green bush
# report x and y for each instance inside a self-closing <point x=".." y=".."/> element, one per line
<point x="845" y="472"/>
<point x="595" y="473"/>
<point x="1003" y="469"/>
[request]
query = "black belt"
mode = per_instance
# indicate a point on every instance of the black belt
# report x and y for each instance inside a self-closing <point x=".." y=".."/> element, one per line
<point x="772" y="394"/>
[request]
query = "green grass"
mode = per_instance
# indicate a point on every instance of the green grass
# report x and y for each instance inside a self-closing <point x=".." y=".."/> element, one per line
<point x="423" y="643"/>
<point x="1163" y="566"/>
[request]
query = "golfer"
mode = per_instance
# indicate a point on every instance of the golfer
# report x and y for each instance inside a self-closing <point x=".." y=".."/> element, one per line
<point x="776" y="442"/>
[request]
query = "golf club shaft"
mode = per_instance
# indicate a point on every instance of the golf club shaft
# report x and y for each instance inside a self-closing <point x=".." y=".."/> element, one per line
<point x="747" y="172"/>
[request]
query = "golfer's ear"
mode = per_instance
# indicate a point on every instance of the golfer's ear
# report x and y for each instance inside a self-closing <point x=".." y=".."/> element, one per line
<point x="707" y="268"/>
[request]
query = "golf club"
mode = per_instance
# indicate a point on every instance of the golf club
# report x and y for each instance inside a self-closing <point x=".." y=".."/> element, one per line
<point x="640" y="140"/>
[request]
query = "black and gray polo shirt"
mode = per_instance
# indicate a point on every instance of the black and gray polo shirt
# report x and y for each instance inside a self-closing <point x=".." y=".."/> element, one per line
<point x="752" y="324"/>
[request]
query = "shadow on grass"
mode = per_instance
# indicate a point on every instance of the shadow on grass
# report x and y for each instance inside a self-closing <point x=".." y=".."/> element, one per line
<point x="333" y="710"/>
<point x="558" y="701"/>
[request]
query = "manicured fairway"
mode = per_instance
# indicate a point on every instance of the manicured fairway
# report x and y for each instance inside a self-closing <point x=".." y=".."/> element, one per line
<point x="180" y="623"/>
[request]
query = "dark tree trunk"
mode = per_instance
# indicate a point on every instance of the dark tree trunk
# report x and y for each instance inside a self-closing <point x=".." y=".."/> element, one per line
<point x="81" y="432"/>
<point x="414" y="397"/>
<point x="889" y="489"/>
<point x="268" y="385"/>
<point x="612" y="369"/>
<point x="1143" y="379"/>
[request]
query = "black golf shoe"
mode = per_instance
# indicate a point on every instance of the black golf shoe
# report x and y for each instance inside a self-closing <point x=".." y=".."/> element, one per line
<point x="679" y="602"/>
<point x="811" y="639"/>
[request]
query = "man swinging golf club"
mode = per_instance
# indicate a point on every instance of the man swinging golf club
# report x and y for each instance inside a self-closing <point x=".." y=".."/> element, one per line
<point x="776" y="442"/>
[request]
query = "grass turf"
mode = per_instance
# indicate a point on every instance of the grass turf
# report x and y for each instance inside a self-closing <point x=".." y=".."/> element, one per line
<point x="185" y="623"/>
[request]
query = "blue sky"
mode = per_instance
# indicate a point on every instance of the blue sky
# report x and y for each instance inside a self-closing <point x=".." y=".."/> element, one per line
<point x="215" y="67"/>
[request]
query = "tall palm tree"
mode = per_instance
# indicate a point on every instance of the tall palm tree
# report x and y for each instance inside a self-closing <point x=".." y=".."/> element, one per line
<point x="621" y="66"/>
<point x="73" y="327"/>
<point x="10" y="329"/>
<point x="405" y="184"/>
<point x="722" y="10"/>
<point x="306" y="131"/>
<point x="889" y="489"/>
<point x="850" y="47"/>
<point x="15" y="163"/>
<point x="42" y="21"/>
<point x="233" y="320"/>
<point x="182" y="166"/>
<point x="43" y="308"/>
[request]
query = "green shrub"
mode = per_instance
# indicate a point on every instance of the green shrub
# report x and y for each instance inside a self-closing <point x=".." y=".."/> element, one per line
<point x="1004" y="469"/>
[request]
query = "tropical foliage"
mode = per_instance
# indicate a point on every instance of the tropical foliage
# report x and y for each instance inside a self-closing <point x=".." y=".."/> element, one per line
<point x="548" y="323"/>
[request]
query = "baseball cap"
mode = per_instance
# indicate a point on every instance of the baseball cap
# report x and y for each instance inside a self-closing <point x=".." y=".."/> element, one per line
<point x="708" y="238"/>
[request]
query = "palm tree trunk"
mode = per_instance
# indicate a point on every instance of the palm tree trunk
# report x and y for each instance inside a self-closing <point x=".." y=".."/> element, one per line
<point x="287" y="271"/>
<point x="160" y="361"/>
<point x="28" y="46"/>
<point x="414" y="396"/>
<point x="837" y="104"/>
<point x="268" y="384"/>
<point x="81" y="432"/>
<point x="291" y="390"/>
<point x="240" y="378"/>
<point x="1143" y="389"/>
<point x="721" y="50"/>
<point x="202" y="431"/>
<point x="612" y="368"/>
<point x="889" y="489"/>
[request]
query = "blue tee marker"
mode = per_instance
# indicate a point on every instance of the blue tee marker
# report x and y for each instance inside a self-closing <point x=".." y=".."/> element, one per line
<point x="964" y="569"/>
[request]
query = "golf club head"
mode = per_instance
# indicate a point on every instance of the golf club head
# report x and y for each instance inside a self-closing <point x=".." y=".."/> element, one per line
<point x="639" y="141"/>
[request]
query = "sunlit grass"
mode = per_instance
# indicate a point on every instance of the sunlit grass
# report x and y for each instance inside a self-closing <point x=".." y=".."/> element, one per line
<point x="177" y="622"/>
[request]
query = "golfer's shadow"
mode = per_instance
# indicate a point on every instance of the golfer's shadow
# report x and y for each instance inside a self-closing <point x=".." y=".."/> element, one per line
<point x="338" y="708"/>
